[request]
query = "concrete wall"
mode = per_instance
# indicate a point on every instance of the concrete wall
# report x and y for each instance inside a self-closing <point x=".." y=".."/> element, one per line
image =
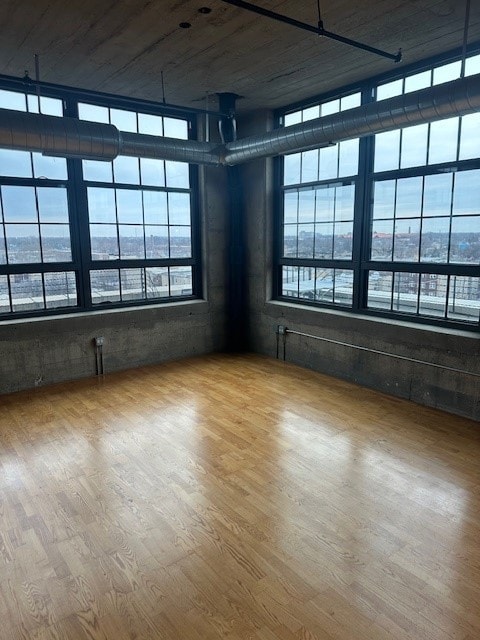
<point x="46" y="350"/>
<point x="452" y="392"/>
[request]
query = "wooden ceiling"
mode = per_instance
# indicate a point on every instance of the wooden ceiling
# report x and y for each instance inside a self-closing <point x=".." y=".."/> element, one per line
<point x="121" y="46"/>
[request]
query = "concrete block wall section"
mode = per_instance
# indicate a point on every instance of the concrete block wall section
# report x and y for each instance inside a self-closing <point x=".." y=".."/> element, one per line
<point x="425" y="385"/>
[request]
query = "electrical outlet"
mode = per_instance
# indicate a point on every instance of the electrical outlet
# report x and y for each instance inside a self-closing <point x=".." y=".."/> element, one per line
<point x="281" y="330"/>
<point x="98" y="341"/>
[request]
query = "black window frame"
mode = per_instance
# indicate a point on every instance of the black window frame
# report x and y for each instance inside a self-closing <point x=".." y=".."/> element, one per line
<point x="82" y="263"/>
<point x="361" y="262"/>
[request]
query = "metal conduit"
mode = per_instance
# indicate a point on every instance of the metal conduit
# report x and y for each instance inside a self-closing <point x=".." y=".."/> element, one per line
<point x="456" y="98"/>
<point x="382" y="353"/>
<point x="77" y="138"/>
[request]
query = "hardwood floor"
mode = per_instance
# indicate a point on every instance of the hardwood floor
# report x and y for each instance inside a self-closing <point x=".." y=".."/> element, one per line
<point x="235" y="497"/>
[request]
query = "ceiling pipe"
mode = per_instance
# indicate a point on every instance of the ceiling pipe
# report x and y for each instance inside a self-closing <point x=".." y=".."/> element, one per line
<point x="72" y="138"/>
<point x="81" y="139"/>
<point x="456" y="98"/>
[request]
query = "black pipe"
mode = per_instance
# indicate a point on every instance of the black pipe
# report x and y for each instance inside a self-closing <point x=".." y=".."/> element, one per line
<point x="318" y="30"/>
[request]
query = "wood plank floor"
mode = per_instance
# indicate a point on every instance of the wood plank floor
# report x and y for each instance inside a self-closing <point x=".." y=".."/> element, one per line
<point x="235" y="497"/>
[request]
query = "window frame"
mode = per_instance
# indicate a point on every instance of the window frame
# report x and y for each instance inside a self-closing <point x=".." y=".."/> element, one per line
<point x="82" y="263"/>
<point x="361" y="262"/>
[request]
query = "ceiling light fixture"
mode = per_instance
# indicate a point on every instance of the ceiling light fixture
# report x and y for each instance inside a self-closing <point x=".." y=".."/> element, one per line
<point x="184" y="25"/>
<point x="318" y="30"/>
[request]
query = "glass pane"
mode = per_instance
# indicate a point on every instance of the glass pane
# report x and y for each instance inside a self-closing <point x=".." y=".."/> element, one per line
<point x="15" y="164"/>
<point x="447" y="72"/>
<point x="348" y="161"/>
<point x="151" y="125"/>
<point x="131" y="241"/>
<point x="27" y="292"/>
<point x="306" y="206"/>
<point x="4" y="297"/>
<point x="464" y="298"/>
<point x="177" y="174"/>
<point x="325" y="207"/>
<point x="466" y="195"/>
<point x="49" y="106"/>
<point x="344" y="203"/>
<point x="384" y="199"/>
<point x="60" y="289"/>
<point x="418" y="81"/>
<point x="433" y="295"/>
<point x="23" y="243"/>
<point x="328" y="108"/>
<point x="306" y="287"/>
<point x="437" y="195"/>
<point x="306" y="233"/>
<point x="3" y="253"/>
<point x="343" y="240"/>
<point x="56" y="242"/>
<point x="382" y="240"/>
<point x="405" y="292"/>
<point x="97" y="171"/>
<point x="310" y="166"/>
<point x="124" y="120"/>
<point x="311" y="113"/>
<point x="126" y="170"/>
<point x="290" y="281"/>
<point x="380" y="290"/>
<point x="387" y="150"/>
<point x="292" y="118"/>
<point x="52" y="204"/>
<point x="93" y="113"/>
<point x="19" y="204"/>
<point x="414" y="146"/>
<point x="324" y="240"/>
<point x="407" y="240"/>
<point x="101" y="205"/>
<point x="105" y="286"/>
<point x="324" y="285"/>
<point x="409" y="197"/>
<point x="156" y="241"/>
<point x="472" y="65"/>
<point x="470" y="136"/>
<point x="329" y="162"/>
<point x="180" y="242"/>
<point x="12" y="100"/>
<point x="155" y="207"/>
<point x="157" y="282"/>
<point x="152" y="172"/>
<point x="351" y="101"/>
<point x="290" y="235"/>
<point x="390" y="90"/>
<point x="104" y="241"/>
<point x="290" y="206"/>
<point x="443" y="141"/>
<point x="435" y="235"/>
<point x="179" y="208"/>
<point x="291" y="168"/>
<point x="175" y="128"/>
<point x="181" y="281"/>
<point x="49" y="167"/>
<point x="465" y="240"/>
<point x="343" y="287"/>
<point x="133" y="284"/>
<point x="129" y="206"/>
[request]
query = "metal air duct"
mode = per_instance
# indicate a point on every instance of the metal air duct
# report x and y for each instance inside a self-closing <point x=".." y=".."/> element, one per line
<point x="74" y="138"/>
<point x="456" y="98"/>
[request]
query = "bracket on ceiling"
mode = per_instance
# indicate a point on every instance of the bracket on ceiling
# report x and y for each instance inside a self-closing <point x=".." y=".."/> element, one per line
<point x="318" y="30"/>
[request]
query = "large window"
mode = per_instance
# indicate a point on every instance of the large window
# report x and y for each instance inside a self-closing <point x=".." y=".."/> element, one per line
<point x="86" y="234"/>
<point x="399" y="232"/>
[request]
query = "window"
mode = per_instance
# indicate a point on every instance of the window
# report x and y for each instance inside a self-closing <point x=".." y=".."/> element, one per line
<point x="399" y="235"/>
<point x="82" y="234"/>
